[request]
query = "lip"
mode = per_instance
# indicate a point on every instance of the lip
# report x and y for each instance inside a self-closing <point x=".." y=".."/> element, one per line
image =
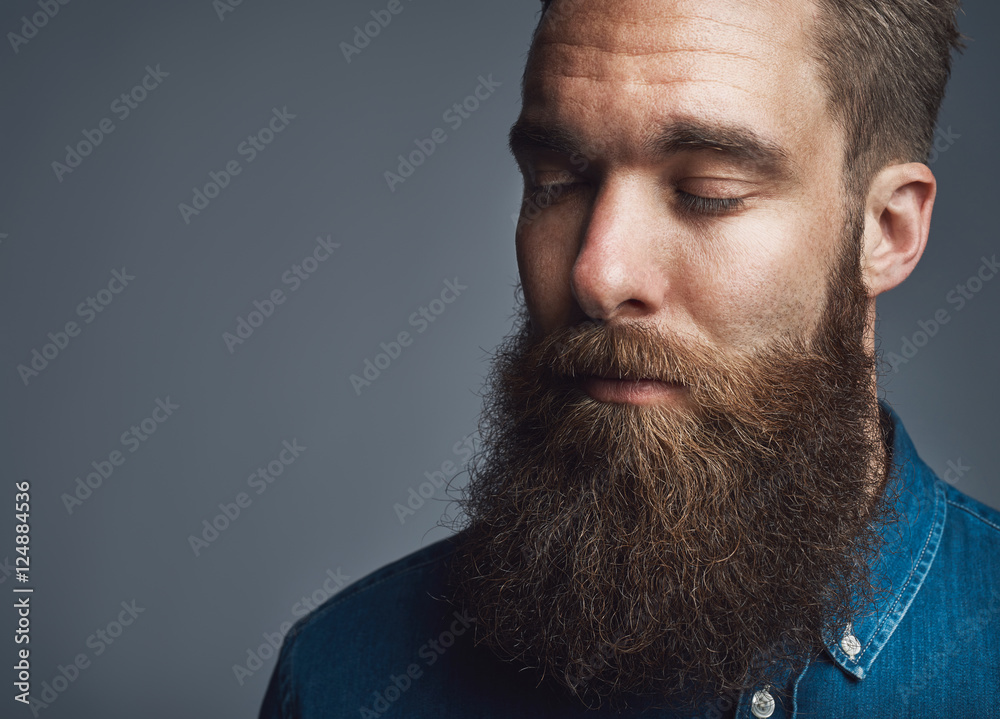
<point x="631" y="391"/>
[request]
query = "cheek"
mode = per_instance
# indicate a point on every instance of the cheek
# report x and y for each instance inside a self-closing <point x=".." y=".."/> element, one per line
<point x="545" y="257"/>
<point x="756" y="282"/>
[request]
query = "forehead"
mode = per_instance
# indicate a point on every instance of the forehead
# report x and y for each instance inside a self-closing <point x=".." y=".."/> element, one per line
<point x="632" y="66"/>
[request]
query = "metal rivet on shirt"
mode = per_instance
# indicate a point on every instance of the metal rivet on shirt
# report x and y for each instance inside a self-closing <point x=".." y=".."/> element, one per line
<point x="850" y="643"/>
<point x="762" y="705"/>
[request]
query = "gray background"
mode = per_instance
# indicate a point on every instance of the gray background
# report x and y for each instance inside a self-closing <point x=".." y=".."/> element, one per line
<point x="333" y="508"/>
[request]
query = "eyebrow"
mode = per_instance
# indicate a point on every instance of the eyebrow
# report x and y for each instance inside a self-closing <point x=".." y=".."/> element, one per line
<point x="740" y="144"/>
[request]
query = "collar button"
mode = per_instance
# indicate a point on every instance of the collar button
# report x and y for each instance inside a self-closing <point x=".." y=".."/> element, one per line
<point x="850" y="643"/>
<point x="762" y="704"/>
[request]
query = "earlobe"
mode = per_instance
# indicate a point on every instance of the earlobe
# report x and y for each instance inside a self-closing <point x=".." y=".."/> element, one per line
<point x="897" y="222"/>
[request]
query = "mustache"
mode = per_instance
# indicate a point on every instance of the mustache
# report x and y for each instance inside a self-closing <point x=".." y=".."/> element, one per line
<point x="629" y="351"/>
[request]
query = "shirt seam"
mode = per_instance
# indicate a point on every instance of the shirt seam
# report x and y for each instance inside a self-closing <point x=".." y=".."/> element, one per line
<point x="936" y="525"/>
<point x="795" y="688"/>
<point x="893" y="613"/>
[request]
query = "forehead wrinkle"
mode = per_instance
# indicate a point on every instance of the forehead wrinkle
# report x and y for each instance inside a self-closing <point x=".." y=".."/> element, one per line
<point x="740" y="28"/>
<point x="636" y="53"/>
<point x="636" y="81"/>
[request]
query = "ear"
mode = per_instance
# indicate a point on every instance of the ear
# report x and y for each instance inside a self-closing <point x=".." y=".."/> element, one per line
<point x="897" y="221"/>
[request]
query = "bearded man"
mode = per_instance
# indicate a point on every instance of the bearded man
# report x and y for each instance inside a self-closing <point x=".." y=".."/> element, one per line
<point x="690" y="500"/>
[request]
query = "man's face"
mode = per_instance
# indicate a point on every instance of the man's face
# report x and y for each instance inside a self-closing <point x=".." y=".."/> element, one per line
<point x="668" y="102"/>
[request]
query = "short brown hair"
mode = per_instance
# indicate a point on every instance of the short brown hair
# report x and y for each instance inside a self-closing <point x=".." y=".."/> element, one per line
<point x="885" y="65"/>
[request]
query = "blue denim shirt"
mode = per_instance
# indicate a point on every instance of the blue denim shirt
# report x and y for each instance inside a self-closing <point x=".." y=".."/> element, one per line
<point x="389" y="646"/>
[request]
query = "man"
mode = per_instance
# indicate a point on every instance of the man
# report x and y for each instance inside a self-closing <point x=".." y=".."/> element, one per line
<point x="690" y="500"/>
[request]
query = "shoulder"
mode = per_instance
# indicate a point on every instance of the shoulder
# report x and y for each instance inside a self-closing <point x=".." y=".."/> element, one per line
<point x="413" y="573"/>
<point x="419" y="576"/>
<point x="975" y="524"/>
<point x="972" y="511"/>
<point x="970" y="544"/>
<point x="367" y="637"/>
<point x="964" y="580"/>
<point x="956" y="614"/>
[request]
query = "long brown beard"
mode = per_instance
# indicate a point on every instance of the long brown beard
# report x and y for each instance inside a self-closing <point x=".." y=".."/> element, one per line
<point x="676" y="552"/>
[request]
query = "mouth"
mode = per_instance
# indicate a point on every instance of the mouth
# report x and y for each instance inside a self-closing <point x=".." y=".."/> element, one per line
<point x="631" y="391"/>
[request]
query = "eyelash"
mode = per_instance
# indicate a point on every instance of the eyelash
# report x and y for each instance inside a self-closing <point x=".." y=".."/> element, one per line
<point x="696" y="204"/>
<point x="692" y="204"/>
<point x="537" y="193"/>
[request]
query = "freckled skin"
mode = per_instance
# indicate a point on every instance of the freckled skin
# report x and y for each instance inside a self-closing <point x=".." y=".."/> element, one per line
<point x="618" y="247"/>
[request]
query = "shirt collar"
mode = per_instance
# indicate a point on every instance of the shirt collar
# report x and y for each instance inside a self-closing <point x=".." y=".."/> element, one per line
<point x="905" y="559"/>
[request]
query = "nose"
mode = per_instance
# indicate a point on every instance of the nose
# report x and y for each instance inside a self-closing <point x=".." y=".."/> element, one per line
<point x="618" y="271"/>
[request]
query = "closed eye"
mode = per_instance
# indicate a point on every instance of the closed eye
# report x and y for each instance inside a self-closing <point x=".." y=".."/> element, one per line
<point x="546" y="194"/>
<point x="698" y="205"/>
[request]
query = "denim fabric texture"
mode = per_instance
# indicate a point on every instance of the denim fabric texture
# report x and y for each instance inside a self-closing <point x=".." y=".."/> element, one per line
<point x="391" y="646"/>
